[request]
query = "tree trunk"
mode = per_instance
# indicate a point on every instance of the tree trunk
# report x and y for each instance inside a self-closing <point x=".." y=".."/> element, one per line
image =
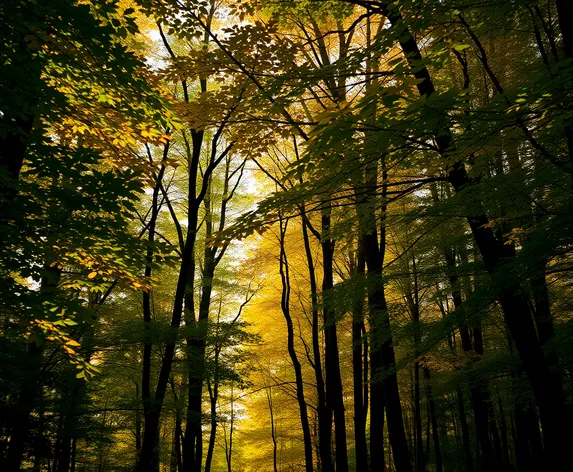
<point x="384" y="381"/>
<point x="465" y="432"/>
<point x="334" y="398"/>
<point x="213" y="396"/>
<point x="434" y="421"/>
<point x="148" y="459"/>
<point x="31" y="386"/>
<point x="285" y="307"/>
<point x="324" y="416"/>
<point x="359" y="370"/>
<point x="146" y="305"/>
<point x="16" y="136"/>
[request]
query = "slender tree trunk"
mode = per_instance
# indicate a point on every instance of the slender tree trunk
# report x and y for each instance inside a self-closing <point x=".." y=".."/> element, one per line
<point x="359" y="370"/>
<point x="229" y="445"/>
<point x="433" y="420"/>
<point x="196" y="341"/>
<point x="213" y="397"/>
<point x="481" y="403"/>
<point x="334" y="397"/>
<point x="146" y="304"/>
<point x="137" y="424"/>
<point x="383" y="361"/>
<point x="324" y="416"/>
<point x="412" y="298"/>
<point x="285" y="307"/>
<point x="67" y="431"/>
<point x="184" y="301"/>
<point x="273" y="430"/>
<point x="23" y="409"/>
<point x="478" y="391"/>
<point x="504" y="437"/>
<point x="465" y="432"/>
<point x="418" y="436"/>
<point x="193" y="444"/>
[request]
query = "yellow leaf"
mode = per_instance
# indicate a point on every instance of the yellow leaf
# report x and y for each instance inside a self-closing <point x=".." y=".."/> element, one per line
<point x="68" y="350"/>
<point x="91" y="275"/>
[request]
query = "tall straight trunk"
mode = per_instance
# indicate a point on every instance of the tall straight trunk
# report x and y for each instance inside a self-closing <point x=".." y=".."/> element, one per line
<point x="67" y="432"/>
<point x="192" y="446"/>
<point x="549" y="395"/>
<point x="383" y="363"/>
<point x="146" y="299"/>
<point x="418" y="433"/>
<point x="412" y="298"/>
<point x="193" y="439"/>
<point x="72" y="400"/>
<point x="173" y="459"/>
<point x="334" y="396"/>
<point x="176" y="464"/>
<point x="496" y="440"/>
<point x="285" y="307"/>
<point x="384" y="391"/>
<point x="324" y="416"/>
<point x="565" y="17"/>
<point x="482" y="408"/>
<point x="456" y="290"/>
<point x="434" y="420"/>
<point x="478" y="391"/>
<point x="504" y="436"/>
<point x="137" y="424"/>
<point x="178" y="433"/>
<point x="535" y="441"/>
<point x="359" y="370"/>
<point x="229" y="445"/>
<point x="529" y="454"/>
<point x="469" y="464"/>
<point x="213" y="397"/>
<point x="269" y="393"/>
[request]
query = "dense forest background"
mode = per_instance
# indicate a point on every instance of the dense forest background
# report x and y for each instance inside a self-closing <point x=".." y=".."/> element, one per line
<point x="286" y="235"/>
